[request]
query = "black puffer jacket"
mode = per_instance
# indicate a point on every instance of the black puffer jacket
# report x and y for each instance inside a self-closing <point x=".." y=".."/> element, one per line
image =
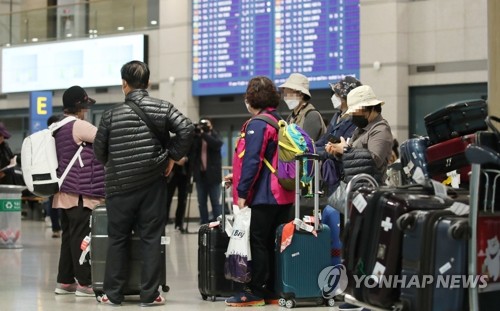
<point x="357" y="161"/>
<point x="132" y="155"/>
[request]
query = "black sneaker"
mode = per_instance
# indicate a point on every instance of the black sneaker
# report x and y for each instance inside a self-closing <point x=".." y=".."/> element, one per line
<point x="350" y="307"/>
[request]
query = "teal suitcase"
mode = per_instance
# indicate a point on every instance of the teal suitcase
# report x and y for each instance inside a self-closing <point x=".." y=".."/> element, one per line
<point x="299" y="266"/>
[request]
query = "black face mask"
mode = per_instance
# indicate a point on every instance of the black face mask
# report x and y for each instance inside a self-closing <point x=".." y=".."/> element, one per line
<point x="360" y="121"/>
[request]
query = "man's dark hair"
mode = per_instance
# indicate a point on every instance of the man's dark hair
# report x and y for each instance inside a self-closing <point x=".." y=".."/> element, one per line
<point x="136" y="74"/>
<point x="53" y="118"/>
<point x="262" y="93"/>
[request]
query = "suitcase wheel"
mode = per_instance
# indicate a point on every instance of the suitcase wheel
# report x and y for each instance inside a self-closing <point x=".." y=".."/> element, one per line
<point x="290" y="303"/>
<point x="459" y="230"/>
<point x="98" y="294"/>
<point x="330" y="302"/>
<point x="282" y="302"/>
<point x="406" y="222"/>
<point x="204" y="297"/>
<point x="165" y="288"/>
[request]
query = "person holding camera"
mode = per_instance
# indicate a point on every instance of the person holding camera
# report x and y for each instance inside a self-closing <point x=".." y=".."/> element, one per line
<point x="206" y="166"/>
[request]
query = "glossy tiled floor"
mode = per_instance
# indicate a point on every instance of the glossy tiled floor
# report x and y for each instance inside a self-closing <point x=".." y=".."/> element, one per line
<point x="28" y="277"/>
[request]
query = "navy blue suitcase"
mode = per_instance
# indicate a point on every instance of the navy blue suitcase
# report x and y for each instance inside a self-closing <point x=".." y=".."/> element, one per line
<point x="455" y="120"/>
<point x="434" y="244"/>
<point x="412" y="152"/>
<point x="299" y="265"/>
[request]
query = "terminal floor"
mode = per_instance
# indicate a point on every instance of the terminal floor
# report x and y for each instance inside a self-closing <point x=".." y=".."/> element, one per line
<point x="28" y="277"/>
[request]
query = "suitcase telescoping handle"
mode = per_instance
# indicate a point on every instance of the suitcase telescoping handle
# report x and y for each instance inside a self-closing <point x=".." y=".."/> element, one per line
<point x="223" y="212"/>
<point x="489" y="121"/>
<point x="349" y="190"/>
<point x="298" y="160"/>
<point x="477" y="156"/>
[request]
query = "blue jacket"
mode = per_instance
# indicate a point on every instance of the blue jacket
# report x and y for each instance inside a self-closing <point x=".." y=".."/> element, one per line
<point x="339" y="127"/>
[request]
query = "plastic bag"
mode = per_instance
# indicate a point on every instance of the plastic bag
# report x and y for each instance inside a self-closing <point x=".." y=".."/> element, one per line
<point x="238" y="256"/>
<point x="338" y="199"/>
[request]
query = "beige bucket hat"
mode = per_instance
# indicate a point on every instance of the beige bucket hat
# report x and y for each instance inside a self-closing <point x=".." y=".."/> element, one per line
<point x="362" y="96"/>
<point x="297" y="82"/>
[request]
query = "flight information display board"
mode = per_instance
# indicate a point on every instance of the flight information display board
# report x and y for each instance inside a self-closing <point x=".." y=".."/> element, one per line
<point x="235" y="40"/>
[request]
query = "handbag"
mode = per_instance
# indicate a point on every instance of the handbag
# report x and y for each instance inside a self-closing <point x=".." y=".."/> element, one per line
<point x="338" y="198"/>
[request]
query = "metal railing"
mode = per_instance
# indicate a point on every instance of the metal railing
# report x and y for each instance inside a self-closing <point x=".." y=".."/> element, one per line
<point x="87" y="19"/>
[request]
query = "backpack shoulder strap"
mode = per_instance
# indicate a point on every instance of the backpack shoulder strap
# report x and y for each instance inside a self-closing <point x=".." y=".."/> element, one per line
<point x="268" y="120"/>
<point x="274" y="124"/>
<point x="57" y="125"/>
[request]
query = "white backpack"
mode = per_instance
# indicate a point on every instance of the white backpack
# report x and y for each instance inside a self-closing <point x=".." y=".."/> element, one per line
<point x="39" y="160"/>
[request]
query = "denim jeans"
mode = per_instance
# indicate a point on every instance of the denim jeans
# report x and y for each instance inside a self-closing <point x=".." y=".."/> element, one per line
<point x="204" y="190"/>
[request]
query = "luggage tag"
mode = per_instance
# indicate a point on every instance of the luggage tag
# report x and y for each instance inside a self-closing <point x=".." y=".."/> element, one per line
<point x="310" y="219"/>
<point x="455" y="179"/>
<point x="459" y="209"/>
<point x="85" y="247"/>
<point x="418" y="176"/>
<point x="305" y="227"/>
<point x="165" y="240"/>
<point x="378" y="272"/>
<point x="360" y="203"/>
<point x="439" y="189"/>
<point x="407" y="169"/>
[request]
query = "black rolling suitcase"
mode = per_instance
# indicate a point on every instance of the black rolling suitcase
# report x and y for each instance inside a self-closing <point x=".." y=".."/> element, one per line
<point x="99" y="251"/>
<point x="434" y="245"/>
<point x="455" y="120"/>
<point x="212" y="246"/>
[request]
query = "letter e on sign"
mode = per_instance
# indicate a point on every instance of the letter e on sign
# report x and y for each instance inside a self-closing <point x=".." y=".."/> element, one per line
<point x="41" y="105"/>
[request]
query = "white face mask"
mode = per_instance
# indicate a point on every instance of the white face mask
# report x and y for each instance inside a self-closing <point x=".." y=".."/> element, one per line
<point x="336" y="102"/>
<point x="292" y="103"/>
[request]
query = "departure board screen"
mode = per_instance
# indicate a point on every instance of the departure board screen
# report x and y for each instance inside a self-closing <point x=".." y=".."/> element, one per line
<point x="235" y="40"/>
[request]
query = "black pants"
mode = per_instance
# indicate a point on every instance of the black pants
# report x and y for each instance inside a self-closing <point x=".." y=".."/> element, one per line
<point x="146" y="209"/>
<point x="181" y="182"/>
<point x="264" y="222"/>
<point x="75" y="226"/>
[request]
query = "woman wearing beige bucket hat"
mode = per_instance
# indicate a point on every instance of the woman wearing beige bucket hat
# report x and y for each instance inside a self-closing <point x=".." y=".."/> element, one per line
<point x="296" y="95"/>
<point x="370" y="147"/>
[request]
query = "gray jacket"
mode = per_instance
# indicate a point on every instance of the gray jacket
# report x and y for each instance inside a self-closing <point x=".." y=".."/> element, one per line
<point x="374" y="140"/>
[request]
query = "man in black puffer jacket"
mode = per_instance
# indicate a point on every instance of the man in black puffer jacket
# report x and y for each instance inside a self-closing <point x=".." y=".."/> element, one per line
<point x="136" y="162"/>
